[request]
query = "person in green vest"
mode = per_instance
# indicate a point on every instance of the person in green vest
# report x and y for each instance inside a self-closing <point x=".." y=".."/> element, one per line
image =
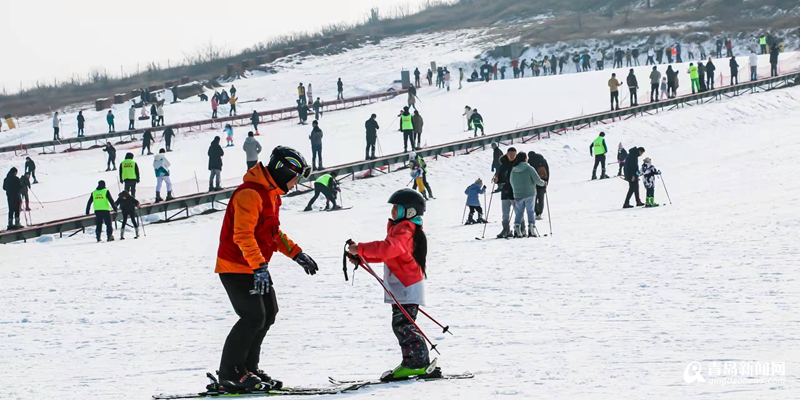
<point x="102" y="202"/>
<point x="694" y="75"/>
<point x="763" y="42"/>
<point x="129" y="174"/>
<point x="599" y="149"/>
<point x="407" y="127"/>
<point x="328" y="186"/>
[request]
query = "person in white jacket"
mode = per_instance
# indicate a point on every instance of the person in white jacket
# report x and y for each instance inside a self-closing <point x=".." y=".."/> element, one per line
<point x="160" y="112"/>
<point x="132" y="117"/>
<point x="161" y="167"/>
<point x="753" y="66"/>
<point x="468" y="114"/>
<point x="598" y="57"/>
<point x="651" y="53"/>
<point x="56" y="125"/>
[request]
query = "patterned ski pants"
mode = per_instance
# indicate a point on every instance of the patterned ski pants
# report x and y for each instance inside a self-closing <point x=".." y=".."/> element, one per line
<point x="412" y="344"/>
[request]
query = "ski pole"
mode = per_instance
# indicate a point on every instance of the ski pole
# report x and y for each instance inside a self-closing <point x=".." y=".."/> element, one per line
<point x="369" y="270"/>
<point x="37" y="198"/>
<point x="665" y="188"/>
<point x="463" y="214"/>
<point x="141" y="222"/>
<point x="549" y="219"/>
<point x="445" y="329"/>
<point x="488" y="209"/>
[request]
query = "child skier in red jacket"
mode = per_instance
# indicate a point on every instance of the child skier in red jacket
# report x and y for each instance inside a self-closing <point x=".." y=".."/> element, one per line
<point x="403" y="253"/>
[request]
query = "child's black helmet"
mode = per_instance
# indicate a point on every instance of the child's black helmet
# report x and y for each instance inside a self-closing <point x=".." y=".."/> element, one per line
<point x="412" y="202"/>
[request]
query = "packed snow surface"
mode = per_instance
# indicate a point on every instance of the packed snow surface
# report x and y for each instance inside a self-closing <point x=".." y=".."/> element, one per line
<point x="615" y="304"/>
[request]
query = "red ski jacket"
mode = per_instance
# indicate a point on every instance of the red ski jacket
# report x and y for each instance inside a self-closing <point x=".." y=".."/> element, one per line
<point x="396" y="251"/>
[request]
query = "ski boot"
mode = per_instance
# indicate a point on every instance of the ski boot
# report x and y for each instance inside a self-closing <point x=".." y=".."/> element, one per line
<point x="402" y="373"/>
<point x="307" y="209"/>
<point x="110" y="238"/>
<point x="627" y="206"/>
<point x="136" y="232"/>
<point x="237" y="382"/>
<point x="604" y="176"/>
<point x="335" y="207"/>
<point x="532" y="231"/>
<point x="169" y="196"/>
<point x="267" y="383"/>
<point x="158" y="197"/>
<point x="539" y="217"/>
<point x="210" y="189"/>
<point x="480" y="219"/>
<point x="470" y="221"/>
<point x="594" y="177"/>
<point x="519" y="231"/>
<point x="506" y="231"/>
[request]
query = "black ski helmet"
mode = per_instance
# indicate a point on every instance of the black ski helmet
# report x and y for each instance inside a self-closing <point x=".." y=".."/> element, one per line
<point x="285" y="163"/>
<point x="412" y="202"/>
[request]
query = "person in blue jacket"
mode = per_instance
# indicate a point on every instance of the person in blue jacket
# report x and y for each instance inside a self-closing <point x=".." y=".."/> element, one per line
<point x="474" y="202"/>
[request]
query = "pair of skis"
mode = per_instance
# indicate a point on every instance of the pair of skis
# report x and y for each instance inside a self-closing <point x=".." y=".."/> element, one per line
<point x="340" y="386"/>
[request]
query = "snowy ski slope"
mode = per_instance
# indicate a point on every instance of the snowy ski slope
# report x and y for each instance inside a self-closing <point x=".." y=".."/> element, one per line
<point x="615" y="305"/>
<point x="505" y="105"/>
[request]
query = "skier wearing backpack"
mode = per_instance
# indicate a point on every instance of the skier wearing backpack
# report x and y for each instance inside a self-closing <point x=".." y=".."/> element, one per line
<point x="403" y="253"/>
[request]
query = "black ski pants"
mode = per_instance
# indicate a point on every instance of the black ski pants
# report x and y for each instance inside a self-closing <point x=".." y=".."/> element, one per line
<point x="111" y="163"/>
<point x="653" y="91"/>
<point x="370" y="151"/>
<point x="319" y="188"/>
<point x="13" y="209"/>
<point x="130" y="187"/>
<point x="132" y="216"/>
<point x="131" y="125"/>
<point x="146" y="146"/>
<point x="316" y="153"/>
<point x="599" y="159"/>
<point x="773" y="71"/>
<point x="412" y="344"/>
<point x="614" y="97"/>
<point x="408" y="137"/>
<point x="424" y="182"/>
<point x="473" y="210"/>
<point x="251" y="164"/>
<point x="100" y="218"/>
<point x="634" y="97"/>
<point x="538" y="206"/>
<point x="256" y="315"/>
<point x="168" y="142"/>
<point x="633" y="190"/>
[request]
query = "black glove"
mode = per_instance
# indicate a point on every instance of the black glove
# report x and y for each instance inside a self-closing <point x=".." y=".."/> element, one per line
<point x="308" y="263"/>
<point x="261" y="280"/>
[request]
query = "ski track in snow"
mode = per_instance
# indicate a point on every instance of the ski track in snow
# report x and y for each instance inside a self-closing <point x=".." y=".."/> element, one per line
<point x="614" y="305"/>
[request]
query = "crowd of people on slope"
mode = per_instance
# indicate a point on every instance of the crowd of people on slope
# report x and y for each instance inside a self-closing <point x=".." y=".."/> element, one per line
<point x="521" y="180"/>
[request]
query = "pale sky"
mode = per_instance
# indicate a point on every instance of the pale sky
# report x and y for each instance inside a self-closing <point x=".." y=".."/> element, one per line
<point x="58" y="38"/>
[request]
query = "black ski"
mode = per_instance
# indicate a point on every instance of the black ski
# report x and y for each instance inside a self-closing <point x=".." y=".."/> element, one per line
<point x="357" y="384"/>
<point x="258" y="393"/>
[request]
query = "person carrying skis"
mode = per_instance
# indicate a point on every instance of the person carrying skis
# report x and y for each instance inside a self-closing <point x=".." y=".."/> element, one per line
<point x="632" y="176"/>
<point x="328" y="186"/>
<point x="147" y="138"/>
<point x="474" y="202"/>
<point x="416" y="173"/>
<point x="112" y="157"/>
<point x="477" y="122"/>
<point x="649" y="171"/>
<point x="404" y="253"/>
<point x="539" y="163"/>
<point x="12" y="187"/>
<point x="622" y="154"/>
<point x="128" y="206"/>
<point x="161" y="167"/>
<point x="30" y="167"/>
<point x="102" y="202"/>
<point x="424" y="167"/>
<point x="129" y="174"/>
<point x="249" y="236"/>
<point x="599" y="149"/>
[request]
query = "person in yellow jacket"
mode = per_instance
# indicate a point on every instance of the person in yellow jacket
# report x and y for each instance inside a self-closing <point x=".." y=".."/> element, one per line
<point x="613" y="85"/>
<point x="694" y="75"/>
<point x="102" y="202"/>
<point x="301" y="93"/>
<point x="234" y="99"/>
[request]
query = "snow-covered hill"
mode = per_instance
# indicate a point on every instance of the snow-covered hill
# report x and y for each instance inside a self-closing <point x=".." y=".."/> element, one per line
<point x="615" y="304"/>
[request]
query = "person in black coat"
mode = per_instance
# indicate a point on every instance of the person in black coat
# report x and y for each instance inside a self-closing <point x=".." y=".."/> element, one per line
<point x="81" y="123"/>
<point x="670" y="82"/>
<point x="496" y="154"/>
<point x="128" y="205"/>
<point x="774" y="52"/>
<point x="30" y="168"/>
<point x="539" y="163"/>
<point x="372" y="136"/>
<point x="734" y="70"/>
<point x="168" y="134"/>
<point x="503" y="180"/>
<point x="632" y="176"/>
<point x="633" y="84"/>
<point x="255" y="119"/>
<point x="112" y="157"/>
<point x="710" y="68"/>
<point x="147" y="138"/>
<point x="13" y="187"/>
<point x="215" y="154"/>
<point x="622" y="154"/>
<point x="153" y="114"/>
<point x="701" y="75"/>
